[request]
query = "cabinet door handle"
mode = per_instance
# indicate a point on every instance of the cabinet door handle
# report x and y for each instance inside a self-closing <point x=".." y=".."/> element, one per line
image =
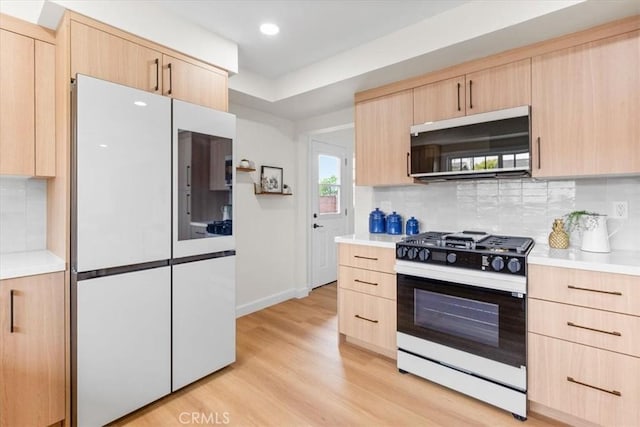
<point x="12" y="293"/>
<point x="170" y="79"/>
<point x="595" y="290"/>
<point x="365" y="257"/>
<point x="618" y="334"/>
<point x="157" y="74"/>
<point x="364" y="318"/>
<point x="539" y="163"/>
<point x="614" y="392"/>
<point x="408" y="164"/>
<point x="188" y="176"/>
<point x="188" y="204"/>
<point x="458" y="96"/>
<point x="366" y="283"/>
<point x="470" y="94"/>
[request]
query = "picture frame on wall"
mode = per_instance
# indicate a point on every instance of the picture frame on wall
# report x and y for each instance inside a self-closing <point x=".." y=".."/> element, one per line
<point x="271" y="179"/>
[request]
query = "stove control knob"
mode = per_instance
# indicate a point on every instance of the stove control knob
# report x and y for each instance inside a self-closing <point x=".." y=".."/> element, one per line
<point x="401" y="252"/>
<point x="497" y="263"/>
<point x="413" y="253"/>
<point x="424" y="254"/>
<point x="451" y="257"/>
<point x="514" y="265"/>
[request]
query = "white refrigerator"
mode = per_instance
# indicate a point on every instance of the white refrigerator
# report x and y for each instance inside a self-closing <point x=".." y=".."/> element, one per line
<point x="146" y="318"/>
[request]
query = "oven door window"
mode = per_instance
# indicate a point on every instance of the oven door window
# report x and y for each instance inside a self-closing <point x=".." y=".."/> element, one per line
<point x="461" y="317"/>
<point x="480" y="321"/>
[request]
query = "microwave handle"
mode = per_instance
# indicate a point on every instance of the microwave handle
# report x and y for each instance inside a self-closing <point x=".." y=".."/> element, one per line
<point x="408" y="163"/>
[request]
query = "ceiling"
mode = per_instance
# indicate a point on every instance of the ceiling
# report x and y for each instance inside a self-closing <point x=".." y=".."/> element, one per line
<point x="310" y="30"/>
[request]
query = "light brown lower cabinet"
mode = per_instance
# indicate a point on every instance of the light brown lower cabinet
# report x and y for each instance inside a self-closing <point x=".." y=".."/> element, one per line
<point x="583" y="352"/>
<point x="368" y="318"/>
<point x="32" y="378"/>
<point x="589" y="383"/>
<point x="367" y="297"/>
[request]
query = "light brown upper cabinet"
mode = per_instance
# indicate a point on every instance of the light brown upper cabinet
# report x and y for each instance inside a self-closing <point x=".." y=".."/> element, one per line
<point x="195" y="84"/>
<point x="585" y="109"/>
<point x="27" y="106"/>
<point x="495" y="88"/>
<point x="105" y="56"/>
<point x="383" y="140"/>
<point x="32" y="378"/>
<point x="438" y="101"/>
<point x="122" y="58"/>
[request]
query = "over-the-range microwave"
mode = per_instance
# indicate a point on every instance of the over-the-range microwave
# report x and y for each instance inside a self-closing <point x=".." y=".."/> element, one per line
<point x="491" y="144"/>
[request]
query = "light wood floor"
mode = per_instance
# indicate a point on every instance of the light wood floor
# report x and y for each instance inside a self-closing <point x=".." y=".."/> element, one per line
<point x="290" y="371"/>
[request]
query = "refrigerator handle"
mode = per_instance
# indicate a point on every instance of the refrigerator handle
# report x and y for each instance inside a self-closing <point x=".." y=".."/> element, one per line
<point x="188" y="204"/>
<point x="188" y="175"/>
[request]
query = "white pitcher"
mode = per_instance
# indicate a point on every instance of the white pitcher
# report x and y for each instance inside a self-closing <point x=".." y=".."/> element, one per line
<point x="595" y="236"/>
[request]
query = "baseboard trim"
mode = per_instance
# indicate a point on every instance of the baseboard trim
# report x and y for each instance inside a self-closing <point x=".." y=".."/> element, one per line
<point x="268" y="301"/>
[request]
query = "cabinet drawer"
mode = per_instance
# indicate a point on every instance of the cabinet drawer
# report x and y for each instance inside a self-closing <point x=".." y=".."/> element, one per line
<point x="367" y="318"/>
<point x="367" y="281"/>
<point x="597" y="328"/>
<point x="368" y="257"/>
<point x="605" y="291"/>
<point x="589" y="383"/>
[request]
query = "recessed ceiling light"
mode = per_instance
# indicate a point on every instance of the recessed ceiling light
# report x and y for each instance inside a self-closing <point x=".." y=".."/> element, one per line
<point x="269" y="29"/>
<point x="140" y="103"/>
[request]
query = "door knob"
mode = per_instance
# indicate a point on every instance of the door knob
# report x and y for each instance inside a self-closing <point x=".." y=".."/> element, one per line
<point x="317" y="226"/>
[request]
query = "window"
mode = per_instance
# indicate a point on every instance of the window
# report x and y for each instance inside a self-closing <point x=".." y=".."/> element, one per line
<point x="329" y="184"/>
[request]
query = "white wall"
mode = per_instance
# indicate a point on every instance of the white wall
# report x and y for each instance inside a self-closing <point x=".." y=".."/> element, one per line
<point x="523" y="207"/>
<point x="265" y="226"/>
<point x="271" y="231"/>
<point x="23" y="214"/>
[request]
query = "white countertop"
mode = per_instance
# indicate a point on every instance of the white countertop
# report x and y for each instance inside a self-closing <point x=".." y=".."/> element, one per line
<point x="20" y="264"/>
<point x="622" y="262"/>
<point x="370" y="239"/>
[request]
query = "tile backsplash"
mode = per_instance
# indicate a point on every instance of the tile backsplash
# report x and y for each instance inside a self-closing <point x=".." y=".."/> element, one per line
<point x="523" y="207"/>
<point x="23" y="214"/>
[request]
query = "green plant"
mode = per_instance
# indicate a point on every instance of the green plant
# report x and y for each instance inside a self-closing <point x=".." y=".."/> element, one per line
<point x="579" y="220"/>
<point x="328" y="186"/>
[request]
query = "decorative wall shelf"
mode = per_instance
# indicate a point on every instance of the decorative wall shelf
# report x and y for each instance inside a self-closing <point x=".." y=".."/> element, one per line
<point x="271" y="194"/>
<point x="239" y="169"/>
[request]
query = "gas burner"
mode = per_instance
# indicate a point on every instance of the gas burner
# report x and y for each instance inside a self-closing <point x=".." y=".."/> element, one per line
<point x="470" y="236"/>
<point x="467" y="249"/>
<point x="518" y="245"/>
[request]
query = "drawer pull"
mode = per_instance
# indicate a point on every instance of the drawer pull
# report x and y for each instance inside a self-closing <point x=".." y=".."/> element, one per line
<point x="614" y="392"/>
<point x="366" y="283"/>
<point x="594" y="290"/>
<point x="618" y="334"/>
<point x="364" y="318"/>
<point x="365" y="257"/>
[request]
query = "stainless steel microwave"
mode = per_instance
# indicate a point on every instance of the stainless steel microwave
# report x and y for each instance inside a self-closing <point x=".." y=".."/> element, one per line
<point x="491" y="144"/>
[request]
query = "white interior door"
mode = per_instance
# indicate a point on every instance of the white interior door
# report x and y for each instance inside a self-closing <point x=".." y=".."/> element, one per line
<point x="331" y="192"/>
